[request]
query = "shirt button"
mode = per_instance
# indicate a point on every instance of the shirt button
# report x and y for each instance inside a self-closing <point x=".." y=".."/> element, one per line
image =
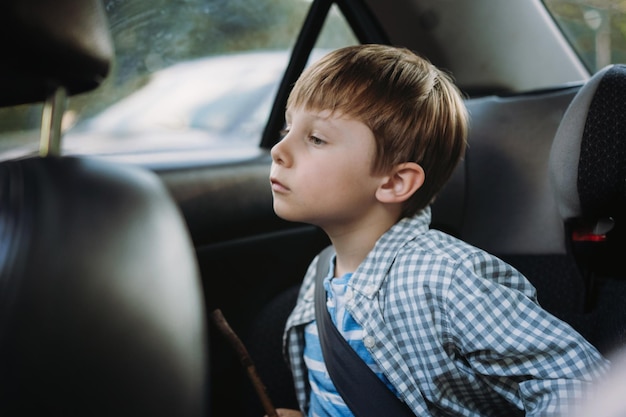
<point x="369" y="342"/>
<point x="349" y="294"/>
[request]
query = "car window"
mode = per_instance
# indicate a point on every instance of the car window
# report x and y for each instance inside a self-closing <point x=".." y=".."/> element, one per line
<point x="188" y="76"/>
<point x="595" y="28"/>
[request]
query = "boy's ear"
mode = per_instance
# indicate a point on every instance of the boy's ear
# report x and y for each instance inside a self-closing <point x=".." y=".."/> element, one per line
<point x="405" y="179"/>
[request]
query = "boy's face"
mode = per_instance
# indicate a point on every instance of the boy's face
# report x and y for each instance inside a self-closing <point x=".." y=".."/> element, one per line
<point x="321" y="170"/>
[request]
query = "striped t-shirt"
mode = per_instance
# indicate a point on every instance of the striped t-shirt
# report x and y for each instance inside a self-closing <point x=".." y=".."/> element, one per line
<point x="325" y="400"/>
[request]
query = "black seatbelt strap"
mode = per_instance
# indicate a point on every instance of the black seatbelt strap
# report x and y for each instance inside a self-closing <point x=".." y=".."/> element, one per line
<point x="363" y="392"/>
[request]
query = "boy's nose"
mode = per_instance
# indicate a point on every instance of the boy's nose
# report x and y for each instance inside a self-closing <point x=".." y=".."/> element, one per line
<point x="280" y="153"/>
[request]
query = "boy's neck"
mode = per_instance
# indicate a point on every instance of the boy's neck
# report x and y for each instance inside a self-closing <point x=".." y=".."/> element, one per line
<point x="354" y="242"/>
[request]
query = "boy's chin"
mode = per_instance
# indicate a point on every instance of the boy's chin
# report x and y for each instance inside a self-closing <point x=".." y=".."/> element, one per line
<point x="284" y="214"/>
<point x="290" y="215"/>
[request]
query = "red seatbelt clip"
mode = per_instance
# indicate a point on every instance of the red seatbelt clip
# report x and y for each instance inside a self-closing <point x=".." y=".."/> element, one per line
<point x="593" y="233"/>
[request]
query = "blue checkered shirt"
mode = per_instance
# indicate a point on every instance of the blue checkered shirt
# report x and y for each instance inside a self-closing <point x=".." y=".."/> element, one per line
<point x="455" y="330"/>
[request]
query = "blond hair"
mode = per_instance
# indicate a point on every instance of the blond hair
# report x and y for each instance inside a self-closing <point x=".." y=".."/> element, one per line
<point x="414" y="110"/>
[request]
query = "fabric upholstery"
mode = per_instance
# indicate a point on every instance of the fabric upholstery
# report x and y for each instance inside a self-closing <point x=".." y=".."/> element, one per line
<point x="588" y="156"/>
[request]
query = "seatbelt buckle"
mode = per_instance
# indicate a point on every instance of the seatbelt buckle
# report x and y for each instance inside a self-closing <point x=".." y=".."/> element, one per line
<point x="593" y="233"/>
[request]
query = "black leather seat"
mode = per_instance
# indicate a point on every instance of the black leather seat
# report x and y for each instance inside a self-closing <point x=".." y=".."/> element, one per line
<point x="101" y="308"/>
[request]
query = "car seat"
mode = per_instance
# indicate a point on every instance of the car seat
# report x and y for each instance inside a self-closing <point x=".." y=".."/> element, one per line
<point x="101" y="309"/>
<point x="588" y="174"/>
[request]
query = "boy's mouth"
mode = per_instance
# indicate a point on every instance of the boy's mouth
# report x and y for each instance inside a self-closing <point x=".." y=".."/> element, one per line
<point x="278" y="186"/>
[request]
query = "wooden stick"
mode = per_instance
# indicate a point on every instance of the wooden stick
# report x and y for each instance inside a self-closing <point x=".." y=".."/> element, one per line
<point x="220" y="321"/>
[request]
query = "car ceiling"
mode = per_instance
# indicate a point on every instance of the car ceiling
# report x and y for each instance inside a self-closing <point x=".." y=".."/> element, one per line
<point x="501" y="56"/>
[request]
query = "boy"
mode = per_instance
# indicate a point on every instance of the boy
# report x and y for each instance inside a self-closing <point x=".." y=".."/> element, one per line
<point x="372" y="134"/>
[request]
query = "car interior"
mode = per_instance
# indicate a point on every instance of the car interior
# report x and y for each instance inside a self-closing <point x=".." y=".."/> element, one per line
<point x="109" y="270"/>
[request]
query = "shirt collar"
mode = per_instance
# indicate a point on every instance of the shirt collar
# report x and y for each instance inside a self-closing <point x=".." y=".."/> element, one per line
<point x="371" y="273"/>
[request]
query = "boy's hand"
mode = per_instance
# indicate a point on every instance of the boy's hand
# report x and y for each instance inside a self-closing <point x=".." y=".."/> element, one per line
<point x="283" y="412"/>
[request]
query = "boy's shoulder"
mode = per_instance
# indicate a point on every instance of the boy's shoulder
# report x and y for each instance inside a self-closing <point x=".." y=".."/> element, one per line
<point x="450" y="258"/>
<point x="443" y="246"/>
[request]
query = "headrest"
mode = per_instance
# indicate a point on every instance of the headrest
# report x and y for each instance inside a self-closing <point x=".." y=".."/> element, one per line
<point x="50" y="43"/>
<point x="101" y="308"/>
<point x="588" y="155"/>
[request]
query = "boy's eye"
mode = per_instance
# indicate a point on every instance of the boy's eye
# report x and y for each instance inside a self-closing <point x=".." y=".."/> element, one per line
<point x="316" y="141"/>
<point x="283" y="133"/>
